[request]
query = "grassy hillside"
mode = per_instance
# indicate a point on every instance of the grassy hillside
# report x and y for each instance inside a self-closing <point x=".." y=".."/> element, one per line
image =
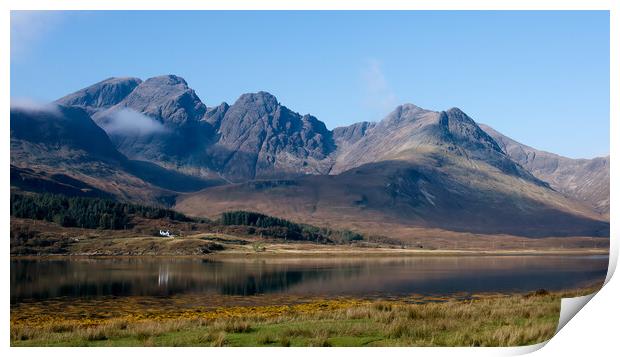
<point x="407" y="195"/>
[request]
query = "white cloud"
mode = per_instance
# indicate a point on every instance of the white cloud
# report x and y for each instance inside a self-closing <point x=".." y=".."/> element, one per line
<point x="29" y="104"/>
<point x="130" y="122"/>
<point x="30" y="27"/>
<point x="379" y="94"/>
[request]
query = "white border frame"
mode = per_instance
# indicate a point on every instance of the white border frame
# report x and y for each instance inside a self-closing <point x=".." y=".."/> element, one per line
<point x="593" y="329"/>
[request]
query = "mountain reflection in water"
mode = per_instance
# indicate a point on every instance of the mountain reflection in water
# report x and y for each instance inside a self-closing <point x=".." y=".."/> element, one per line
<point x="40" y="279"/>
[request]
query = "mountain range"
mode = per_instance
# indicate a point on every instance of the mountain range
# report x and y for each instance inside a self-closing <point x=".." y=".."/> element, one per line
<point x="154" y="141"/>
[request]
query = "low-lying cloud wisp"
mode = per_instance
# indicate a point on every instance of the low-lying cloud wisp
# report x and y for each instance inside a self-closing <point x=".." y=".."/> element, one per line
<point x="130" y="122"/>
<point x="31" y="105"/>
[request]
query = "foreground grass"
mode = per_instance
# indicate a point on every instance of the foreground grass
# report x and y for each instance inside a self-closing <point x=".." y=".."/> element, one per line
<point x="481" y="321"/>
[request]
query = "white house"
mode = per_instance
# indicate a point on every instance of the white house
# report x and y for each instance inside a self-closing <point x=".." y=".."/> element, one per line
<point x="165" y="234"/>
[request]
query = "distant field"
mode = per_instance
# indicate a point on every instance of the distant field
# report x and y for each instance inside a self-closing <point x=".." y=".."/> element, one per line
<point x="500" y="320"/>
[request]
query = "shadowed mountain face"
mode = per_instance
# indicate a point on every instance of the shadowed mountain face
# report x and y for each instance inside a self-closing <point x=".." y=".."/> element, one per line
<point x="60" y="149"/>
<point x="62" y="127"/>
<point x="583" y="179"/>
<point x="32" y="181"/>
<point x="414" y="168"/>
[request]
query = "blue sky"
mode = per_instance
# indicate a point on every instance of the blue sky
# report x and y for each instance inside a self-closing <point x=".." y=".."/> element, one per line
<point x="541" y="78"/>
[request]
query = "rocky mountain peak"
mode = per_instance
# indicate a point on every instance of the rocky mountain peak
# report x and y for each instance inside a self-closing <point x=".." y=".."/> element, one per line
<point x="455" y="111"/>
<point x="166" y="98"/>
<point x="263" y="101"/>
<point x="404" y="113"/>
<point x="259" y="137"/>
<point x="463" y="130"/>
<point x="101" y="95"/>
<point x="167" y="80"/>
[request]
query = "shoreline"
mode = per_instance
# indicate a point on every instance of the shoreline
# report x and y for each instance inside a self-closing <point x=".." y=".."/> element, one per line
<point x="334" y="253"/>
<point x="396" y="252"/>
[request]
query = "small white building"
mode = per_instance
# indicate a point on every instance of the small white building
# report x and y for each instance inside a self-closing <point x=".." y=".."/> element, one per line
<point x="165" y="234"/>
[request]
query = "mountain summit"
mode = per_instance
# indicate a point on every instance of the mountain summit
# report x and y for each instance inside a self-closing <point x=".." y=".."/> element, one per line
<point x="101" y="95"/>
<point x="411" y="133"/>
<point x="259" y="137"/>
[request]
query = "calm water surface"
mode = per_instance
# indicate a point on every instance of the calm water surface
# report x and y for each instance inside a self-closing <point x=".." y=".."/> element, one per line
<point x="42" y="279"/>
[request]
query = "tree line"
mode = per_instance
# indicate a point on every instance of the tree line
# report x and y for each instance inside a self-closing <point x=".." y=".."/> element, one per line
<point x="85" y="212"/>
<point x="245" y="218"/>
<point x="284" y="229"/>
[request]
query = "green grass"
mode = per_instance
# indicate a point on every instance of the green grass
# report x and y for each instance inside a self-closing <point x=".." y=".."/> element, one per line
<point x="483" y="321"/>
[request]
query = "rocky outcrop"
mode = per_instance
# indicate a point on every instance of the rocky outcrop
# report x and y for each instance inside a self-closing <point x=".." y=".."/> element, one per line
<point x="258" y="137"/>
<point x="347" y="135"/>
